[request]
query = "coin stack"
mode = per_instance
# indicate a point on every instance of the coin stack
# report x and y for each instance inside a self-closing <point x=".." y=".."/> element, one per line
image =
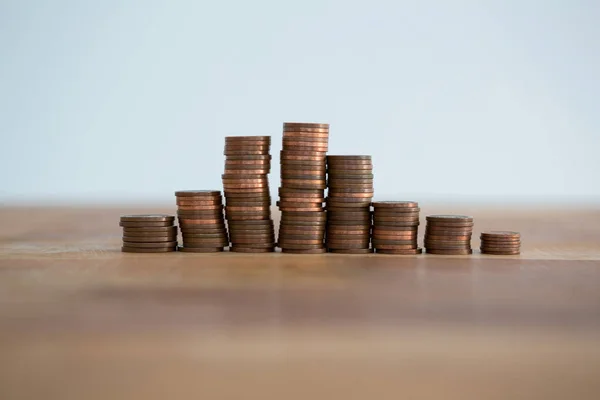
<point x="396" y="227"/>
<point x="148" y="233"/>
<point x="449" y="234"/>
<point x="200" y="214"/>
<point x="302" y="191"/>
<point x="501" y="243"/>
<point x="247" y="195"/>
<point x="350" y="187"/>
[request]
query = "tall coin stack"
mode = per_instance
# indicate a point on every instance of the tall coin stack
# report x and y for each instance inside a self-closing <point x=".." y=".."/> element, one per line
<point x="449" y="234"/>
<point x="350" y="191"/>
<point x="302" y="191"/>
<point x="200" y="214"/>
<point x="501" y="243"/>
<point x="396" y="227"/>
<point x="148" y="233"/>
<point x="247" y="194"/>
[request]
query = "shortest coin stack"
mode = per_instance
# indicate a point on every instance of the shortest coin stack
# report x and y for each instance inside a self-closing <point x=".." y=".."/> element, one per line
<point x="396" y="227"/>
<point x="152" y="233"/>
<point x="449" y="234"/>
<point x="200" y="214"/>
<point x="501" y="243"/>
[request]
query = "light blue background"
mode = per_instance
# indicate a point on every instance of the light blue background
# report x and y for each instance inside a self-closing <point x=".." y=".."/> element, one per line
<point x="455" y="100"/>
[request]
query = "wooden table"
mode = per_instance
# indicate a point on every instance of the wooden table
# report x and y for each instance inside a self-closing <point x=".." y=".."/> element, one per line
<point x="80" y="320"/>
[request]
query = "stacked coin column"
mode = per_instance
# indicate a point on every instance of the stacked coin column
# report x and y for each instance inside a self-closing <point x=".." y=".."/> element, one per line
<point x="396" y="227"/>
<point x="200" y="214"/>
<point x="247" y="194"/>
<point x="148" y="233"/>
<point x="350" y="191"/>
<point x="448" y="234"/>
<point x="302" y="191"/>
<point x="501" y="243"/>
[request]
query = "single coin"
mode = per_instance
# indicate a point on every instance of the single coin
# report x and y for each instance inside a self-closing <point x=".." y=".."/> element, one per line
<point x="395" y="204"/>
<point x="204" y="230"/>
<point x="244" y="208"/>
<point x="257" y="245"/>
<point x="449" y="252"/>
<point x="337" y="157"/>
<point x="200" y="208"/>
<point x="500" y="235"/>
<point x="377" y="242"/>
<point x="189" y="221"/>
<point x="353" y="203"/>
<point x="284" y="241"/>
<point x="335" y="236"/>
<point x="229" y="152"/>
<point x="148" y="218"/>
<point x="301" y="192"/>
<point x="312" y="156"/>
<point x="501" y="253"/>
<point x="238" y="249"/>
<point x="219" y="235"/>
<point x="200" y="249"/>
<point x="149" y="239"/>
<point x="248" y="164"/>
<point x="501" y="246"/>
<point x="386" y="229"/>
<point x="300" y="137"/>
<point x="405" y="252"/>
<point x="304" y="125"/>
<point x="150" y="244"/>
<point x="310" y="231"/>
<point x="200" y="244"/>
<point x="266" y="157"/>
<point x="449" y="218"/>
<point x="252" y="138"/>
<point x="126" y="249"/>
<point x="351" y="251"/>
<point x="305" y="251"/>
<point x="443" y="238"/>
<point x="126" y="224"/>
<point x="378" y="218"/>
<point x="441" y="246"/>
<point x="150" y="231"/>
<point x="198" y="193"/>
<point x="449" y="225"/>
<point x="347" y="232"/>
<point x="395" y="246"/>
<point x="301" y="246"/>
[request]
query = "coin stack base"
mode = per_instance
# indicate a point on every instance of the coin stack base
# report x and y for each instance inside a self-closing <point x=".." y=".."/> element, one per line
<point x="350" y="192"/>
<point x="302" y="190"/>
<point x="500" y="243"/>
<point x="247" y="194"/>
<point x="149" y="233"/>
<point x="396" y="227"/>
<point x="200" y="214"/>
<point x="449" y="234"/>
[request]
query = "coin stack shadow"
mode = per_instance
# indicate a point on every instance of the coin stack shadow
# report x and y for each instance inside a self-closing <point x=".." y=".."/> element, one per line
<point x="247" y="194"/>
<point x="200" y="214"/>
<point x="302" y="191"/>
<point x="500" y="243"/>
<point x="148" y="233"/>
<point x="449" y="234"/>
<point x="350" y="192"/>
<point x="396" y="227"/>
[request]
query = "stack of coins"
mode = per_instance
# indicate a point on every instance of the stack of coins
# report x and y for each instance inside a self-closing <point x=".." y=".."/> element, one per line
<point x="148" y="233"/>
<point x="302" y="191"/>
<point x="449" y="234"/>
<point x="350" y="187"/>
<point x="501" y="242"/>
<point x="396" y="227"/>
<point x="200" y="214"/>
<point x="247" y="194"/>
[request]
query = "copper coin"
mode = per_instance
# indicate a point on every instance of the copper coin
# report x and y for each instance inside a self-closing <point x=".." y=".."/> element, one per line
<point x="248" y="202"/>
<point x="394" y="224"/>
<point x="334" y="209"/>
<point x="250" y="224"/>
<point x="344" y="232"/>
<point x="251" y="138"/>
<point x="237" y="178"/>
<point x="337" y="157"/>
<point x="377" y="242"/>
<point x="295" y="136"/>
<point x="353" y="222"/>
<point x="500" y="245"/>
<point x="305" y="125"/>
<point x="309" y="183"/>
<point x="254" y="195"/>
<point x="283" y="242"/>
<point x="245" y="208"/>
<point x="292" y="143"/>
<point x="378" y="218"/>
<point x="257" y="245"/>
<point x="344" y="161"/>
<point x="395" y="246"/>
<point x="501" y="235"/>
<point x="195" y="214"/>
<point x="236" y="218"/>
<point x="301" y="246"/>
<point x="301" y="200"/>
<point x="348" y="214"/>
<point x="189" y="221"/>
<point x="257" y="235"/>
<point x="302" y="236"/>
<point x="254" y="243"/>
<point x="234" y="186"/>
<point x="150" y="244"/>
<point x="446" y="246"/>
<point x="299" y="209"/>
<point x="351" y="251"/>
<point x="319" y="164"/>
<point x="457" y="226"/>
<point x="238" y="249"/>
<point x="241" y="145"/>
<point x="148" y="218"/>
<point x="501" y="253"/>
<point x="352" y="191"/>
<point x="256" y="191"/>
<point x="399" y="252"/>
<point x="150" y="231"/>
<point x="210" y="207"/>
<point x="303" y="223"/>
<point x="248" y="164"/>
<point x="219" y="235"/>
<point x="198" y="193"/>
<point x="449" y="252"/>
<point x="203" y="229"/>
<point x="499" y="240"/>
<point x="307" y="215"/>
<point x="307" y="132"/>
<point x="200" y="249"/>
<point x="249" y="157"/>
<point x="335" y="194"/>
<point x="338" y="241"/>
<point x="305" y="251"/>
<point x="332" y="229"/>
<point x="144" y="224"/>
<point x="149" y="239"/>
<point x="229" y="152"/>
<point x="395" y="204"/>
<point x="346" y="245"/>
<point x="287" y="172"/>
<point x="449" y="218"/>
<point x="362" y="236"/>
<point x="312" y="156"/>
<point x="349" y="204"/>
<point x="402" y="212"/>
<point x="386" y="229"/>
<point x="288" y="177"/>
<point x="448" y="237"/>
<point x="449" y="231"/>
<point x="250" y="231"/>
<point x="395" y="237"/>
<point x="243" y="173"/>
<point x="126" y="249"/>
<point x="202" y="245"/>
<point x="301" y="192"/>
<point x="300" y="230"/>
<point x="368" y="183"/>
<point x="190" y="203"/>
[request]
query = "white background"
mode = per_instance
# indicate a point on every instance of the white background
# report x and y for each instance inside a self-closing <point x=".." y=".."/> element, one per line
<point x="455" y="100"/>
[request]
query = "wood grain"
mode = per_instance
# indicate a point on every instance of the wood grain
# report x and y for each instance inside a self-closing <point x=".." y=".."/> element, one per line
<point x="79" y="319"/>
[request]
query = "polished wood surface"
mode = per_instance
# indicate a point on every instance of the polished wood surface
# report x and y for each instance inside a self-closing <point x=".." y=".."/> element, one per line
<point x="81" y="320"/>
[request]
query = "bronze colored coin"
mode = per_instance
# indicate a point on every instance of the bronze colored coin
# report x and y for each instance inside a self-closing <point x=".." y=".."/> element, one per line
<point x="332" y="229"/>
<point x="337" y="157"/>
<point x="290" y="172"/>
<point x="256" y="245"/>
<point x="126" y="224"/>
<point x="289" y="177"/>
<point x="366" y="223"/>
<point x="395" y="237"/>
<point x="449" y="252"/>
<point x="233" y="218"/>
<point x="301" y="200"/>
<point x="446" y="246"/>
<point x="352" y="191"/>
<point x="292" y="143"/>
<point x="150" y="231"/>
<point x="219" y="235"/>
<point x="301" y="246"/>
<point x="499" y="240"/>
<point x="443" y="238"/>
<point x="126" y="249"/>
<point x="233" y="209"/>
<point x="349" y="178"/>
<point x="248" y="201"/>
<point x="305" y="125"/>
<point x="303" y="236"/>
<point x="312" y="156"/>
<point x="255" y="191"/>
<point x="347" y="232"/>
<point x="310" y="231"/>
<point x="320" y="183"/>
<point x="283" y="242"/>
<point x="304" y="223"/>
<point x="342" y="161"/>
<point x="252" y="138"/>
<point x="239" y="249"/>
<point x="148" y="218"/>
<point x="397" y="211"/>
<point x="201" y="244"/>
<point x="404" y="252"/>
<point x="498" y="244"/>
<point x="307" y="215"/>
<point x="204" y="229"/>
<point x="257" y="235"/>
<point x="339" y="236"/>
<point x="200" y="208"/>
<point x="299" y="209"/>
<point x="501" y="253"/>
<point x="457" y="226"/>
<point x="245" y="185"/>
<point x="236" y="178"/>
<point x="195" y="214"/>
<point x="387" y="229"/>
<point x="212" y="202"/>
<point x="377" y="241"/>
<point x="351" y="182"/>
<point x="336" y="195"/>
<point x="254" y="195"/>
<point x="348" y="214"/>
<point x="189" y="221"/>
<point x="500" y="250"/>
<point x="198" y="193"/>
<point x="200" y="249"/>
<point x="379" y="218"/>
<point x="242" y="145"/>
<point x="248" y="164"/>
<point x="303" y="150"/>
<point x="149" y="239"/>
<point x="299" y="164"/>
<point x="243" y="173"/>
<point x="295" y="136"/>
<point x="394" y="224"/>
<point x="301" y="192"/>
<point x="449" y="218"/>
<point x="343" y="245"/>
<point x="395" y="246"/>
<point x="266" y="157"/>
<point x="230" y="152"/>
<point x="395" y="204"/>
<point x="151" y="245"/>
<point x="306" y="251"/>
<point x="501" y="234"/>
<point x="356" y="203"/>
<point x="264" y="243"/>
<point x="449" y="231"/>
<point x="351" y="251"/>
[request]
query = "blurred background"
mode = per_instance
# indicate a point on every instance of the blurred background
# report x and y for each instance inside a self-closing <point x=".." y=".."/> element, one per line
<point x="127" y="101"/>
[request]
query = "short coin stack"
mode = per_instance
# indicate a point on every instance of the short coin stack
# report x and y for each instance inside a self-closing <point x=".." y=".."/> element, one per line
<point x="396" y="227"/>
<point x="449" y="234"/>
<point x="148" y="233"/>
<point x="350" y="191"/>
<point x="247" y="194"/>
<point x="501" y="242"/>
<point x="200" y="214"/>
<point x="302" y="191"/>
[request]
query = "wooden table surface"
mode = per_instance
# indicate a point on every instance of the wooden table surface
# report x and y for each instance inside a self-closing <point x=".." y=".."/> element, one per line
<point x="81" y="320"/>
